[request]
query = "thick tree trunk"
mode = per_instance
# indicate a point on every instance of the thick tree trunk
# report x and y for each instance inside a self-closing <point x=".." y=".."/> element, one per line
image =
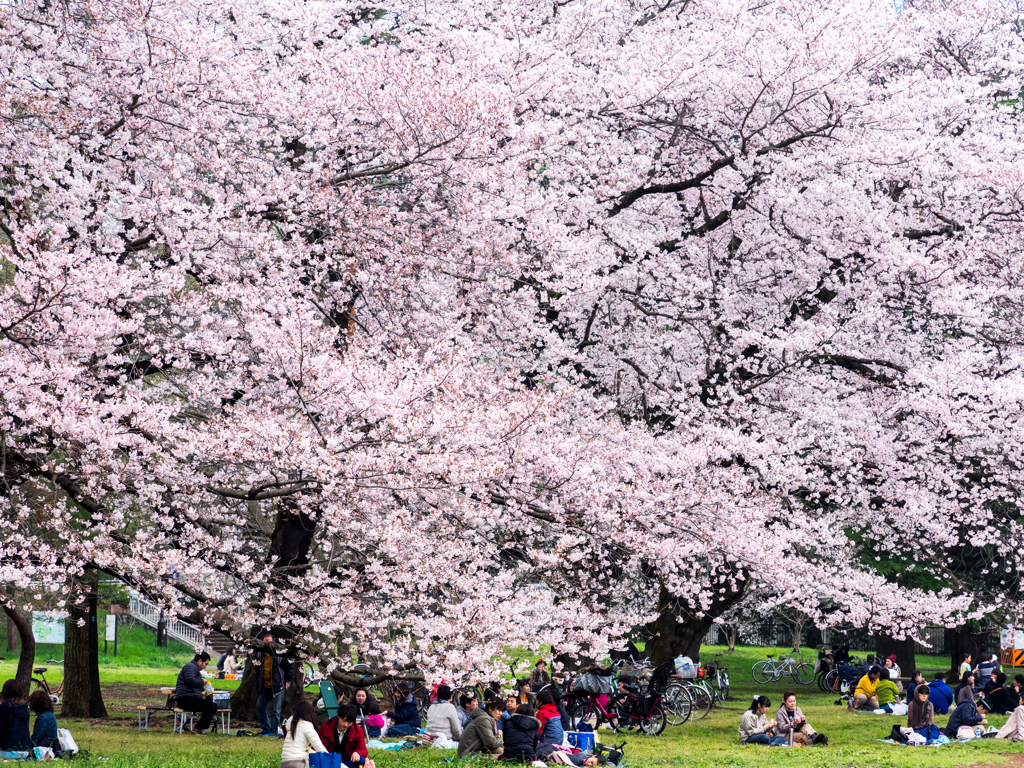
<point x="815" y="639"/>
<point x="21" y="621"/>
<point x="963" y="640"/>
<point x="243" y="700"/>
<point x="83" y="696"/>
<point x="12" y="636"/>
<point x="906" y="658"/>
<point x="671" y="637"/>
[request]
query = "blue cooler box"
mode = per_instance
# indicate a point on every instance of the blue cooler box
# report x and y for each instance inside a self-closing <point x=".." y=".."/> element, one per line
<point x="583" y="741"/>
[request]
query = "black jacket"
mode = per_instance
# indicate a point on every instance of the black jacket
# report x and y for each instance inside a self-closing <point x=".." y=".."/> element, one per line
<point x="280" y="672"/>
<point x="190" y="681"/>
<point x="406" y="713"/>
<point x="1004" y="700"/>
<point x="14" y="735"/>
<point x="965" y="714"/>
<point x="521" y="735"/>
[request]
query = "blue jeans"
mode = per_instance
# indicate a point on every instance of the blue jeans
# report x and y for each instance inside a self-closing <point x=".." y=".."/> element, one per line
<point x="268" y="710"/>
<point x="764" y="738"/>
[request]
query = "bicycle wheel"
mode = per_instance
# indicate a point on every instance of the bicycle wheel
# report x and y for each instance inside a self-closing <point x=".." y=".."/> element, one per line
<point x="803" y="674"/>
<point x="762" y="672"/>
<point x="678" y="704"/>
<point x="702" y="702"/>
<point x="655" y="723"/>
<point x="579" y="714"/>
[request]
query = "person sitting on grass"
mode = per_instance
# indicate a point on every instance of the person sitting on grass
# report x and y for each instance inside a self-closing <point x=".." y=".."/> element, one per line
<point x="790" y="720"/>
<point x="921" y="714"/>
<point x="941" y="695"/>
<point x="188" y="692"/>
<point x="482" y="735"/>
<point x="966" y="691"/>
<point x="44" y="732"/>
<point x="754" y="724"/>
<point x="14" y="735"/>
<point x="916" y="679"/>
<point x="1003" y="699"/>
<point x="467" y="703"/>
<point x="442" y="717"/>
<point x="865" y="696"/>
<point x="521" y="735"/>
<point x="405" y="720"/>
<point x="887" y="692"/>
<point x="550" y="731"/>
<point x="893" y="668"/>
<point x="970" y="713"/>
<point x="511" y="705"/>
<point x="987" y="665"/>
<point x="342" y="736"/>
<point x="523" y="689"/>
<point x="300" y="737"/>
<point x="994" y="682"/>
<point x="369" y="709"/>
<point x="1014" y="727"/>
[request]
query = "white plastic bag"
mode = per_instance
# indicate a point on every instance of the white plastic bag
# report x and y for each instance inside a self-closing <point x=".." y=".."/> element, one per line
<point x="965" y="732"/>
<point x="686" y="667"/>
<point x="66" y="741"/>
<point x="42" y="753"/>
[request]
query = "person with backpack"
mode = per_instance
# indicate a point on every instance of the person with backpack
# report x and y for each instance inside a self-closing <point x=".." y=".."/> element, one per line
<point x="941" y="695"/>
<point x="522" y="732"/>
<point x="300" y="736"/>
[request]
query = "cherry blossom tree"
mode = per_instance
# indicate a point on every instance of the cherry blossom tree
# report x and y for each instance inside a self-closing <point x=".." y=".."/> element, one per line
<point x="465" y="327"/>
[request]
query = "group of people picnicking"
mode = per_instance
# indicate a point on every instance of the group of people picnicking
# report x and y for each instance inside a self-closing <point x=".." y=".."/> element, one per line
<point x="15" y="707"/>
<point x="522" y="727"/>
<point x="981" y="691"/>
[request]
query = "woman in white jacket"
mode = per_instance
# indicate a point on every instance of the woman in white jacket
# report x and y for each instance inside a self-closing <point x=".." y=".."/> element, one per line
<point x="300" y="737"/>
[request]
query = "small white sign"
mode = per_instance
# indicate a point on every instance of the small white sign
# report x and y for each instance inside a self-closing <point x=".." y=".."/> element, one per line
<point x="47" y="629"/>
<point x="111" y="628"/>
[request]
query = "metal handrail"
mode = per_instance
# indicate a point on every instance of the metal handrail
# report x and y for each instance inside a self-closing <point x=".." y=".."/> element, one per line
<point x="149" y="614"/>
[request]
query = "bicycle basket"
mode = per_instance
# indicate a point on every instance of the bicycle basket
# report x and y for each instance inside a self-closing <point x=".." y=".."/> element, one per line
<point x="590" y="682"/>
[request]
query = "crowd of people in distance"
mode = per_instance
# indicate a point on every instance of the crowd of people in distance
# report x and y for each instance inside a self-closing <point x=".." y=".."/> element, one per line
<point x="14" y="719"/>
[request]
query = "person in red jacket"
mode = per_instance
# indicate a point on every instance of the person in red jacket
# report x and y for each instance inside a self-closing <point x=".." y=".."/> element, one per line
<point x="341" y="734"/>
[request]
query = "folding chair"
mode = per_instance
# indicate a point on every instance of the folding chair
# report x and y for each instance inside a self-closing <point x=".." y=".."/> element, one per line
<point x="330" y="697"/>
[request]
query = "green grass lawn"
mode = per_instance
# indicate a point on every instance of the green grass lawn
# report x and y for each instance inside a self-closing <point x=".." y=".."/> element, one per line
<point x="710" y="742"/>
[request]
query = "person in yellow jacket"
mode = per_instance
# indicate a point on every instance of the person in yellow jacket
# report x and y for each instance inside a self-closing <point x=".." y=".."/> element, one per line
<point x="866" y="694"/>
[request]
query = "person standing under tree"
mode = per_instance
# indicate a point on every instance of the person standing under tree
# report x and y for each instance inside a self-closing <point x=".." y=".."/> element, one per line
<point x="275" y="677"/>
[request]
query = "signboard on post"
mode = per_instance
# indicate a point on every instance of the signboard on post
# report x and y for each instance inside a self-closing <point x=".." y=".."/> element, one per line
<point x="47" y="629"/>
<point x="111" y="628"/>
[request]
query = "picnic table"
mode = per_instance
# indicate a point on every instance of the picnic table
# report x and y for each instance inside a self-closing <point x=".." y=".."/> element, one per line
<point x="180" y="715"/>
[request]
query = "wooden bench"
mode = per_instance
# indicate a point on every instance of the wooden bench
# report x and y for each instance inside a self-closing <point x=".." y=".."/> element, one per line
<point x="145" y="710"/>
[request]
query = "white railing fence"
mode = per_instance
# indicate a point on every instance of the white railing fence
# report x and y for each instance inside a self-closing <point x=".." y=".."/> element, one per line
<point x="149" y="614"/>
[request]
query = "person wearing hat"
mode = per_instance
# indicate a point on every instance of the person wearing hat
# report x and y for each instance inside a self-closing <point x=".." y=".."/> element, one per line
<point x="188" y="692"/>
<point x="969" y="713"/>
<point x="894" y="670"/>
<point x="405" y="720"/>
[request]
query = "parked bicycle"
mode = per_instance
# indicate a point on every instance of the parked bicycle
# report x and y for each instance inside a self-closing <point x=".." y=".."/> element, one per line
<point x="53" y="693"/>
<point x="772" y="669"/>
<point x="638" y="706"/>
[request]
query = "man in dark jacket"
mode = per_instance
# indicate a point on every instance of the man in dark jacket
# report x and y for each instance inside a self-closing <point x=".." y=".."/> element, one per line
<point x="188" y="692"/>
<point x="275" y="677"/>
<point x="968" y="712"/>
<point x="406" y="716"/>
<point x="521" y="732"/>
<point x="941" y="695"/>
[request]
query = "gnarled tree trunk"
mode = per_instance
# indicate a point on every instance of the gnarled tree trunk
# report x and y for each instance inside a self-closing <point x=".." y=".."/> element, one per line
<point x="21" y="621"/>
<point x="671" y="637"/>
